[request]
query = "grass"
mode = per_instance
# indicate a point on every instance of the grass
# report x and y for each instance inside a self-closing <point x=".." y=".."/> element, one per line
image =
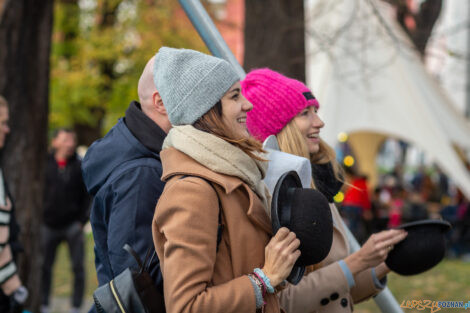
<point x="450" y="280"/>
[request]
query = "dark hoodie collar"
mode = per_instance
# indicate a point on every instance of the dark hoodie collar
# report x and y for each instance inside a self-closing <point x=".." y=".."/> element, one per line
<point x="325" y="180"/>
<point x="143" y="128"/>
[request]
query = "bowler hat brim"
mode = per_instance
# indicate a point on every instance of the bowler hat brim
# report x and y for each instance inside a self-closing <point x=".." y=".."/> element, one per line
<point x="306" y="212"/>
<point x="422" y="249"/>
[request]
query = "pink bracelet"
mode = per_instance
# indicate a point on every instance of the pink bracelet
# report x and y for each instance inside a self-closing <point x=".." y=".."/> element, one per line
<point x="265" y="289"/>
<point x="259" y="284"/>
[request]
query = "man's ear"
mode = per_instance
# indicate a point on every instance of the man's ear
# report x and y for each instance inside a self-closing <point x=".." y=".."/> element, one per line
<point x="158" y="103"/>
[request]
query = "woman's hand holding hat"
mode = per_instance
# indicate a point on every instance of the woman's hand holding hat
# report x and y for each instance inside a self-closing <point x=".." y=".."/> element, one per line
<point x="281" y="253"/>
<point x="375" y="250"/>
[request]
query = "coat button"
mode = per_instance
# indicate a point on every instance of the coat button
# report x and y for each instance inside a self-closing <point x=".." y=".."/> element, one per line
<point x="344" y="302"/>
<point x="324" y="301"/>
<point x="334" y="296"/>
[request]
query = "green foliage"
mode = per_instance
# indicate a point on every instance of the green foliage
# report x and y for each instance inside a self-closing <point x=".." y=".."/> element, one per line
<point x="99" y="50"/>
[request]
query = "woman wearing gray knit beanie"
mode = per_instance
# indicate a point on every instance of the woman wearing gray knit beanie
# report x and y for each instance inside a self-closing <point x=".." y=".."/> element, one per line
<point x="211" y="229"/>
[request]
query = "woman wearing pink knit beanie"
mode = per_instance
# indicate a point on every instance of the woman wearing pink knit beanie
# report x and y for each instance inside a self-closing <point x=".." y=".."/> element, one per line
<point x="286" y="108"/>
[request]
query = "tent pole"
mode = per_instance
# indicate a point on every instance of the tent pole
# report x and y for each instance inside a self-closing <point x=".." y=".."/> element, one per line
<point x="216" y="44"/>
<point x="385" y="299"/>
<point x="209" y="33"/>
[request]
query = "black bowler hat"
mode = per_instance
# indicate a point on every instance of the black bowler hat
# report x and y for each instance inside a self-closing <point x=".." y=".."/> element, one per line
<point x="305" y="212"/>
<point x="422" y="249"/>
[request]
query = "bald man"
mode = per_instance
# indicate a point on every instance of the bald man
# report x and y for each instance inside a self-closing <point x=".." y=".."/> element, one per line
<point x="122" y="171"/>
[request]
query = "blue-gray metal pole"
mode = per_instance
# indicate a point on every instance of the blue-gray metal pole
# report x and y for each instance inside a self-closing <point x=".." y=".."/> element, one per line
<point x="209" y="33"/>
<point x="216" y="44"/>
<point x="385" y="299"/>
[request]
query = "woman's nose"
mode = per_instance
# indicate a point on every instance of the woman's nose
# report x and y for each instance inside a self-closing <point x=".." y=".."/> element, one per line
<point x="247" y="106"/>
<point x="317" y="121"/>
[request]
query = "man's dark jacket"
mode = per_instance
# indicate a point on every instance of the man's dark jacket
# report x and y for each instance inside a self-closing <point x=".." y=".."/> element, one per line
<point x="66" y="200"/>
<point x="122" y="171"/>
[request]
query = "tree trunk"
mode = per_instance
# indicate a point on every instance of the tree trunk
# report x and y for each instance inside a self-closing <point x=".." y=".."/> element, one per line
<point x="2" y="3"/>
<point x="25" y="34"/>
<point x="274" y="36"/>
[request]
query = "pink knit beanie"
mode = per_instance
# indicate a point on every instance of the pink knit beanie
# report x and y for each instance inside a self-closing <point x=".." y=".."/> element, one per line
<point x="276" y="100"/>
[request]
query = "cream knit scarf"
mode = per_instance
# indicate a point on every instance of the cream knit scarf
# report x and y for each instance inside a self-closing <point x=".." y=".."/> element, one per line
<point x="221" y="157"/>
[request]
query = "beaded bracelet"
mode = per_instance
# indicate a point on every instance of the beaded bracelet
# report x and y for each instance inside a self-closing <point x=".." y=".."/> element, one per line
<point x="265" y="279"/>
<point x="260" y="283"/>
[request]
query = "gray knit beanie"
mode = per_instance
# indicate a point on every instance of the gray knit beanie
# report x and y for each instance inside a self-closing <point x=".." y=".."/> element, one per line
<point x="190" y="82"/>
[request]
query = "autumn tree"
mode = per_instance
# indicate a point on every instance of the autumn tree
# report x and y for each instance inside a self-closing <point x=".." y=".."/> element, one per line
<point x="99" y="51"/>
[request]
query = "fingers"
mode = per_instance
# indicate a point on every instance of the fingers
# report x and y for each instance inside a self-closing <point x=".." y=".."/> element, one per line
<point x="290" y="251"/>
<point x="284" y="237"/>
<point x="292" y="257"/>
<point x="387" y="234"/>
<point x="286" y="243"/>
<point x="289" y="239"/>
<point x="399" y="237"/>
<point x="392" y="241"/>
<point x="294" y="245"/>
<point x="281" y="253"/>
<point x="281" y="234"/>
<point x="295" y="256"/>
<point x="379" y="245"/>
<point x="384" y="245"/>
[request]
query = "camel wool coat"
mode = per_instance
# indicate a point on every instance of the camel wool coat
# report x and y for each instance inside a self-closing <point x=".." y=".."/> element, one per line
<point x="198" y="275"/>
<point x="326" y="290"/>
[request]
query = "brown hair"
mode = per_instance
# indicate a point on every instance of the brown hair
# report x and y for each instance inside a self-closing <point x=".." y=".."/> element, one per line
<point x="3" y="102"/>
<point x="212" y="123"/>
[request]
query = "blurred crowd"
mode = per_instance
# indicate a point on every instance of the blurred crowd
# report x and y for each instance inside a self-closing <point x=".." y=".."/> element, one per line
<point x="400" y="199"/>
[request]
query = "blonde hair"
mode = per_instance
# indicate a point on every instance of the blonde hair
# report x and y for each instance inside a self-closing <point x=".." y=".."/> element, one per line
<point x="290" y="140"/>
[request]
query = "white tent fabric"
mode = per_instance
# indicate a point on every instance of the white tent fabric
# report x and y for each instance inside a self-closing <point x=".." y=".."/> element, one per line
<point x="367" y="78"/>
<point x="451" y="68"/>
<point x="446" y="50"/>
